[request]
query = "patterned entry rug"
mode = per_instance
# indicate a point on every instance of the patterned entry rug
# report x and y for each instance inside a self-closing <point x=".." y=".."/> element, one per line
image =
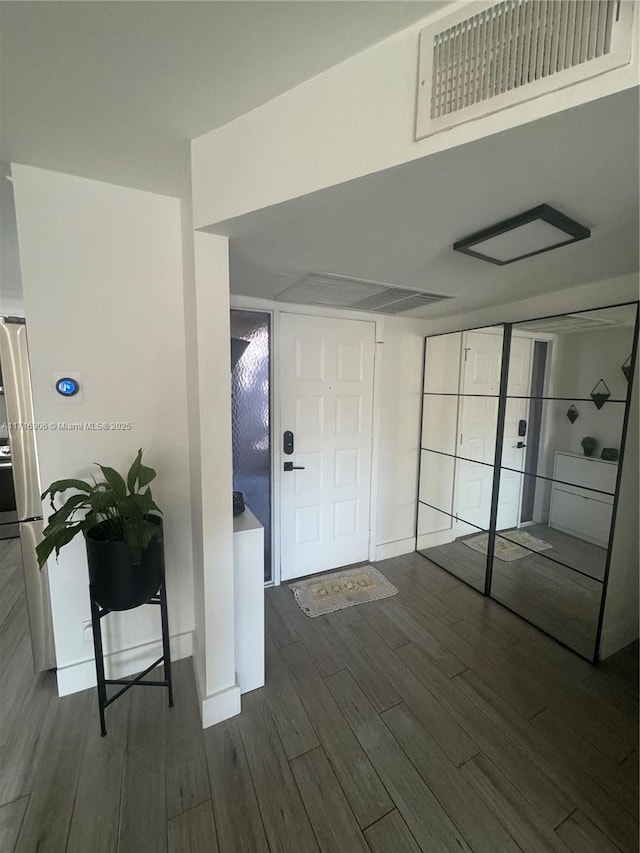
<point x="508" y="550"/>
<point x="338" y="590"/>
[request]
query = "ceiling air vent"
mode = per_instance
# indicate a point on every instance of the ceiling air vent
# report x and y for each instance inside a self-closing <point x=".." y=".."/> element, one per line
<point x="513" y="51"/>
<point x="356" y="294"/>
<point x="567" y="323"/>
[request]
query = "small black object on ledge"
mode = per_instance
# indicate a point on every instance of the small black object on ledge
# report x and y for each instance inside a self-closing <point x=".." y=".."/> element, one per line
<point x="238" y="503"/>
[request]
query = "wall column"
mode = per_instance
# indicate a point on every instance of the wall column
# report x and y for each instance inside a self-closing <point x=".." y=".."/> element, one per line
<point x="209" y="403"/>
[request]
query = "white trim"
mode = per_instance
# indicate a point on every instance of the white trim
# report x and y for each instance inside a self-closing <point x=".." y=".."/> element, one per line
<point x="387" y="550"/>
<point x="376" y="416"/>
<point x="218" y="706"/>
<point x="275" y="445"/>
<point x="616" y="638"/>
<point x="433" y="540"/>
<point x="82" y="675"/>
<point x="250" y="303"/>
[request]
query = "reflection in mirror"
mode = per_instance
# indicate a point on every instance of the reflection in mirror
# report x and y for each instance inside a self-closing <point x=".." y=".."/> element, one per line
<point x="549" y="431"/>
<point x="440" y="423"/>
<point x="457" y="487"/>
<point x="560" y="451"/>
<point x="556" y="489"/>
<point x="464" y="557"/>
<point x="464" y="362"/>
<point x="557" y="599"/>
<point x="571" y="524"/>
<point x="453" y="515"/>
<point x="437" y="479"/>
<point x="459" y="422"/>
<point x="442" y="364"/>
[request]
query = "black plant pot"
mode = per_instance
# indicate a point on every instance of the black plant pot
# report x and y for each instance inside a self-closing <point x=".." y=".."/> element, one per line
<point x="119" y="583"/>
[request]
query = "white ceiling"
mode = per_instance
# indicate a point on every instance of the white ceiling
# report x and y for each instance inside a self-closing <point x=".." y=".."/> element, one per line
<point x="398" y="226"/>
<point x="114" y="90"/>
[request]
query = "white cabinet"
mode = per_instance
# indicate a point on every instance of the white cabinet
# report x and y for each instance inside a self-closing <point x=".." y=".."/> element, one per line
<point x="575" y="508"/>
<point x="248" y="589"/>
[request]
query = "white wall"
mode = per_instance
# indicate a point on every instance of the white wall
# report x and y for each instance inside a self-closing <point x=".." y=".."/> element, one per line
<point x="102" y="274"/>
<point x="211" y="458"/>
<point x="11" y="301"/>
<point x="398" y="435"/>
<point x="354" y="119"/>
<point x="621" y="624"/>
<point x="581" y="360"/>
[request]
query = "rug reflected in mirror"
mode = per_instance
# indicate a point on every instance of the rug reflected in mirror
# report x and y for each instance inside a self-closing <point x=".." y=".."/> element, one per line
<point x="337" y="590"/>
<point x="509" y="549"/>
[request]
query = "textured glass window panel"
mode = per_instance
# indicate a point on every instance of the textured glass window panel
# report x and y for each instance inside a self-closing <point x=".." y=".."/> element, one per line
<point x="251" y="419"/>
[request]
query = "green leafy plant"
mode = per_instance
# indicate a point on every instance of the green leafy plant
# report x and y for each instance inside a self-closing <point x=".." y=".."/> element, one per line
<point x="119" y="507"/>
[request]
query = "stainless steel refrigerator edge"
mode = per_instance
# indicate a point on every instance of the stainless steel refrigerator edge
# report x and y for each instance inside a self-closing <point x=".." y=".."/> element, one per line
<point x="14" y="361"/>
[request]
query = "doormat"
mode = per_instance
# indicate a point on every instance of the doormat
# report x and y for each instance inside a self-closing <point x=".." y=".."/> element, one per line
<point x="508" y="550"/>
<point x="338" y="590"/>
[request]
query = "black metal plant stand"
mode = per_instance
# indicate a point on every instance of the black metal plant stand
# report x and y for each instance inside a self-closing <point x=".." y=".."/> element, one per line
<point x="97" y="613"/>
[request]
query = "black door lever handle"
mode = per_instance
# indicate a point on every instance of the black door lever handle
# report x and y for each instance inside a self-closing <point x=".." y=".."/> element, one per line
<point x="289" y="466"/>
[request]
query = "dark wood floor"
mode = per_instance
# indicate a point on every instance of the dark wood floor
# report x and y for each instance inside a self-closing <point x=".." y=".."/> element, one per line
<point x="431" y="721"/>
<point x="563" y="602"/>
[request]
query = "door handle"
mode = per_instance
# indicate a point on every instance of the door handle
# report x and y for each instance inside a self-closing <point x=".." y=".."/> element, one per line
<point x="289" y="466"/>
<point x="519" y="445"/>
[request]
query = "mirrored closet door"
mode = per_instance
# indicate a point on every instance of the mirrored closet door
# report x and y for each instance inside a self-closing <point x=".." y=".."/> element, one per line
<point x="523" y="430"/>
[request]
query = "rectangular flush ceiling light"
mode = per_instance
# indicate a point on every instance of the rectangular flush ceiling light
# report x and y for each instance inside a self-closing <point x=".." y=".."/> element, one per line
<point x="538" y="230"/>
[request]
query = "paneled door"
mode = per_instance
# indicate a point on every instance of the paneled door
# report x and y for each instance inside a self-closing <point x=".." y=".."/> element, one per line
<point x="326" y="393"/>
<point x="480" y="385"/>
<point x="515" y="434"/>
<point x="478" y="422"/>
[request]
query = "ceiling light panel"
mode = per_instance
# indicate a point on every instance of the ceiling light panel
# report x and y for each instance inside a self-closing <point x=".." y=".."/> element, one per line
<point x="537" y="230"/>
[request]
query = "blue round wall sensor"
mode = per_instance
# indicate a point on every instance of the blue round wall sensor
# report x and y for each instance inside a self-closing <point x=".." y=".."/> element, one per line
<point x="67" y="387"/>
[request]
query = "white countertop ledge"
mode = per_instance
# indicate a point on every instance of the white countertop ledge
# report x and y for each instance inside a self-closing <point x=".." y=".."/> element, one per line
<point x="245" y="521"/>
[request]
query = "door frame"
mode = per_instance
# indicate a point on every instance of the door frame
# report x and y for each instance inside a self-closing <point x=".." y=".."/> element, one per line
<point x="276" y="309"/>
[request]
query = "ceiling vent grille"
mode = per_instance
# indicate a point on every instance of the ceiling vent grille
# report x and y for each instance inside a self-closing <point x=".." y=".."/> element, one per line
<point x="513" y="51"/>
<point x="356" y="294"/>
<point x="567" y="323"/>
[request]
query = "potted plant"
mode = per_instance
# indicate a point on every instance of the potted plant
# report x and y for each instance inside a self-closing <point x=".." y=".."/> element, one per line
<point x="122" y="530"/>
<point x="588" y="445"/>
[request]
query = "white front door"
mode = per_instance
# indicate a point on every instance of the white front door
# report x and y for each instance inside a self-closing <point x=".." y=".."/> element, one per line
<point x="514" y="445"/>
<point x="477" y="439"/>
<point x="482" y="359"/>
<point x="326" y="382"/>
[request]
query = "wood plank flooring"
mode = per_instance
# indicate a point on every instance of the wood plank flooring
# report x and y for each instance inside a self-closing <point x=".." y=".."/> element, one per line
<point x="561" y="601"/>
<point x="432" y="721"/>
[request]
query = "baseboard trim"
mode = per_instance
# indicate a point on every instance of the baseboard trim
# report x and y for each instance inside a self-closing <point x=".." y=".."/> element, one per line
<point x="618" y="638"/>
<point x="434" y="540"/>
<point x="220" y="706"/>
<point x="82" y="675"/>
<point x="387" y="550"/>
<point x="217" y="706"/>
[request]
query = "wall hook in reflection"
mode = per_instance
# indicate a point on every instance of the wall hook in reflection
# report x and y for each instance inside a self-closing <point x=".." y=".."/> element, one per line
<point x="573" y="414"/>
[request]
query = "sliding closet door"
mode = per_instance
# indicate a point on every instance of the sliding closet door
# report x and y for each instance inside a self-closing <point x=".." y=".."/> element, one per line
<point x="565" y="412"/>
<point x="459" y="422"/>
